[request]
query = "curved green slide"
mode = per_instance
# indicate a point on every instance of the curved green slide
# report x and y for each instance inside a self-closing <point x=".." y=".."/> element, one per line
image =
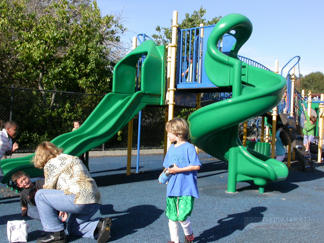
<point x="214" y="128"/>
<point x="114" y="111"/>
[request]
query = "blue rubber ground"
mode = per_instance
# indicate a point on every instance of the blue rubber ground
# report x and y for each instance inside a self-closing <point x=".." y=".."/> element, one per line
<point x="288" y="211"/>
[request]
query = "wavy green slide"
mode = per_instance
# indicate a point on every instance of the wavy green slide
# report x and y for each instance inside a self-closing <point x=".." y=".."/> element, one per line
<point x="114" y="111"/>
<point x="214" y="128"/>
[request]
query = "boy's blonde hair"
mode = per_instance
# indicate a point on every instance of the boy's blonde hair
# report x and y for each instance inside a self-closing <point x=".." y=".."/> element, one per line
<point x="17" y="175"/>
<point x="178" y="127"/>
<point x="45" y="151"/>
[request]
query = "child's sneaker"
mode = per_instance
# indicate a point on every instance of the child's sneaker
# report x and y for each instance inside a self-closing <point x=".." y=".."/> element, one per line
<point x="189" y="238"/>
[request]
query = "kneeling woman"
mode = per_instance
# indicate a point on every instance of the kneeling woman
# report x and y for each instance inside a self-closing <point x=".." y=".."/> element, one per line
<point x="68" y="188"/>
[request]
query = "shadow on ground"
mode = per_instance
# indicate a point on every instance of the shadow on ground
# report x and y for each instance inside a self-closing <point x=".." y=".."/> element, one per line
<point x="129" y="221"/>
<point x="121" y="178"/>
<point x="233" y="222"/>
<point x="295" y="176"/>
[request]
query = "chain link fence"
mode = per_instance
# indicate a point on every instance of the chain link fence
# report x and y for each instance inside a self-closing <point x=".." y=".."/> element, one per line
<point x="44" y="115"/>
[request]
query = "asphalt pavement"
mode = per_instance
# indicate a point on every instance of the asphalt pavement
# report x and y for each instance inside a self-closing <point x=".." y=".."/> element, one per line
<point x="288" y="211"/>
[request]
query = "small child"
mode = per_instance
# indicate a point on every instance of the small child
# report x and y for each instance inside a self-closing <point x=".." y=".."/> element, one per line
<point x="280" y="149"/>
<point x="76" y="124"/>
<point x="182" y="187"/>
<point x="28" y="193"/>
<point x="309" y="130"/>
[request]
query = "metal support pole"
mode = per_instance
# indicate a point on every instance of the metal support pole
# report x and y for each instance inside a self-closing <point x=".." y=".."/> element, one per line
<point x="274" y="129"/>
<point x="11" y="104"/>
<point x="129" y="147"/>
<point x="262" y="129"/>
<point x="86" y="160"/>
<point x="198" y="106"/>
<point x="309" y="103"/>
<point x="138" y="141"/>
<point x="244" y="133"/>
<point x="130" y="131"/>
<point x="289" y="155"/>
<point x="172" y="71"/>
<point x="165" y="132"/>
<point x="292" y="92"/>
<point x="320" y="133"/>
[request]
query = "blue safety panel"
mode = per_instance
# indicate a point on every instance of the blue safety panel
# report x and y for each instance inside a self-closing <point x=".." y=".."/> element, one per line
<point x="191" y="59"/>
<point x="192" y="45"/>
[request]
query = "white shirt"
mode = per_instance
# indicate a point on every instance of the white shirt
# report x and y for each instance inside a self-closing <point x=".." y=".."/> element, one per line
<point x="5" y="143"/>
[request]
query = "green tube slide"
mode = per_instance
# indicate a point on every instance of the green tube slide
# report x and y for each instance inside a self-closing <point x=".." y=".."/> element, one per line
<point x="114" y="111"/>
<point x="214" y="128"/>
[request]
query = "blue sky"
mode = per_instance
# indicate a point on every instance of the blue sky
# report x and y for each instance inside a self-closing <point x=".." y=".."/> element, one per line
<point x="281" y="29"/>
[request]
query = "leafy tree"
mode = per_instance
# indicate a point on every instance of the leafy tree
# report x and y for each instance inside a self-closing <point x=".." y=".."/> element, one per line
<point x="164" y="35"/>
<point x="313" y="82"/>
<point x="59" y="45"/>
<point x="55" y="45"/>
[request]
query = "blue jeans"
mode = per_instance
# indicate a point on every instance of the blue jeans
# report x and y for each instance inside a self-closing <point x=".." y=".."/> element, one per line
<point x="33" y="212"/>
<point x="50" y="202"/>
<point x="308" y="138"/>
<point x="1" y="173"/>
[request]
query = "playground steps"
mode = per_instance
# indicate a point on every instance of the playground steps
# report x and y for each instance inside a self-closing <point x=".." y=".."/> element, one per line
<point x="296" y="139"/>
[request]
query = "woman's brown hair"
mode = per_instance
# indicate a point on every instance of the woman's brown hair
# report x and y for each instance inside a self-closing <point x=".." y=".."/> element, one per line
<point x="45" y="151"/>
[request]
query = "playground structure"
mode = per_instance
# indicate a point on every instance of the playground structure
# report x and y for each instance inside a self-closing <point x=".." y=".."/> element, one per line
<point x="294" y="120"/>
<point x="289" y="114"/>
<point x="210" y="54"/>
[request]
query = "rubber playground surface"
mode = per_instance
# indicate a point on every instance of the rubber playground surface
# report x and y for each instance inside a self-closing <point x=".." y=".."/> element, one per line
<point x="288" y="211"/>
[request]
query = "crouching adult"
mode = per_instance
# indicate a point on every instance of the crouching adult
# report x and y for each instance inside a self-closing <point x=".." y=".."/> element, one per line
<point x="70" y="194"/>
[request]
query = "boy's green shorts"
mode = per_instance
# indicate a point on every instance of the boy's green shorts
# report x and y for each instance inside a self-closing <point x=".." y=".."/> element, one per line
<point x="179" y="208"/>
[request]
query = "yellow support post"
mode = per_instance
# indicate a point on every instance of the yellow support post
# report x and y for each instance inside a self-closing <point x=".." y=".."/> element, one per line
<point x="172" y="66"/>
<point x="262" y="130"/>
<point x="130" y="130"/>
<point x="292" y="110"/>
<point x="165" y="133"/>
<point x="292" y="99"/>
<point x="198" y="106"/>
<point x="244" y="133"/>
<point x="320" y="133"/>
<point x="309" y="102"/>
<point x="129" y="147"/>
<point x="274" y="129"/>
<point x="166" y="141"/>
<point x="198" y="96"/>
<point x="289" y="155"/>
<point x="277" y="66"/>
<point x="292" y="92"/>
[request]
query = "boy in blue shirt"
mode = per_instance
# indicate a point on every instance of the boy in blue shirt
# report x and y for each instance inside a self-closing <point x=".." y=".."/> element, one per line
<point x="182" y="187"/>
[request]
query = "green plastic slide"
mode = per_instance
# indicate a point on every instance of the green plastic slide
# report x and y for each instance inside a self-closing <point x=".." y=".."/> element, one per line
<point x="255" y="91"/>
<point x="114" y="111"/>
